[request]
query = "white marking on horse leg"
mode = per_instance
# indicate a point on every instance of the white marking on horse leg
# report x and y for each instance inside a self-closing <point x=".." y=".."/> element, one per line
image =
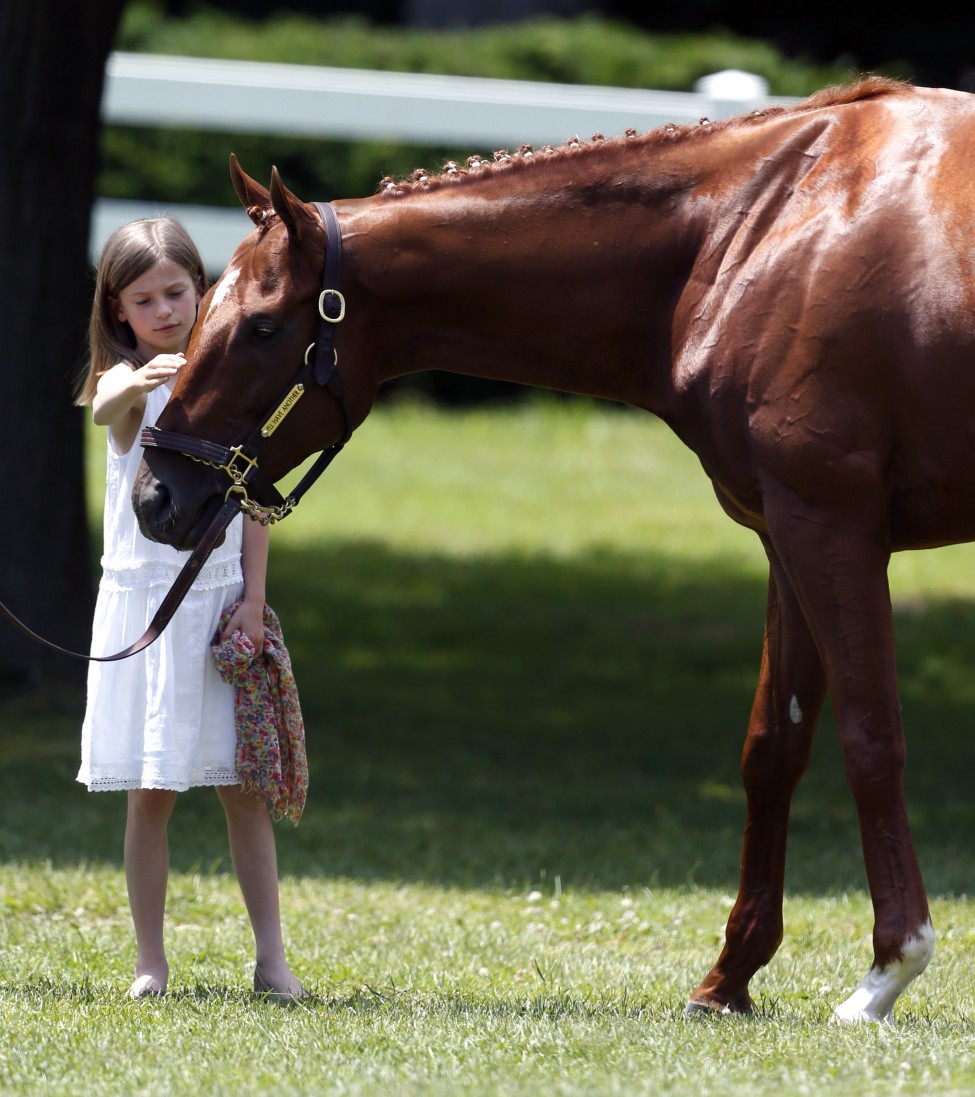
<point x="223" y="287"/>
<point x="795" y="712"/>
<point x="874" y="998"/>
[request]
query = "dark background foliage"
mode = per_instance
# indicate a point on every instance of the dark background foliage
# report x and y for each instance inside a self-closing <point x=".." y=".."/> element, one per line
<point x="935" y="43"/>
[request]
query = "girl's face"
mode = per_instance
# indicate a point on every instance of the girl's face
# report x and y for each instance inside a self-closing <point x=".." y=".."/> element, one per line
<point x="160" y="307"/>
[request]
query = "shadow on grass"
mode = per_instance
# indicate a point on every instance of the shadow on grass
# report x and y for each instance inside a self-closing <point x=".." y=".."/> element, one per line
<point x="558" y="1005"/>
<point x="508" y="721"/>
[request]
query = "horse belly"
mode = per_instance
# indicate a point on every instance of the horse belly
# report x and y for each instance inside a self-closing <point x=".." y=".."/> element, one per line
<point x="931" y="517"/>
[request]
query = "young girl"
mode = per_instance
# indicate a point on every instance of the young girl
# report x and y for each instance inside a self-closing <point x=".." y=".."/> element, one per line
<point x="163" y="720"/>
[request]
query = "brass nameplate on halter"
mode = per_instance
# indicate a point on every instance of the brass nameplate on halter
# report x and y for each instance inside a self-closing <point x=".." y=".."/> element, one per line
<point x="283" y="408"/>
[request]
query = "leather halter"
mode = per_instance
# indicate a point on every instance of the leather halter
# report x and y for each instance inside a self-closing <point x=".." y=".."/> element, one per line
<point x="258" y="496"/>
<point x="250" y="490"/>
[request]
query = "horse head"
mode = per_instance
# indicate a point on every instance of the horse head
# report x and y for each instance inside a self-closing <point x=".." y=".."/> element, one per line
<point x="255" y="333"/>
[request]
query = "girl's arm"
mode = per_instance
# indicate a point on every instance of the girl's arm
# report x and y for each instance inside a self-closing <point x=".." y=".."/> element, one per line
<point x="120" y="398"/>
<point x="249" y="615"/>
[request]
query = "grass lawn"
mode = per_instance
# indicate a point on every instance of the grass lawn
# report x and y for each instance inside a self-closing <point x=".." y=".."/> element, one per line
<point x="526" y="642"/>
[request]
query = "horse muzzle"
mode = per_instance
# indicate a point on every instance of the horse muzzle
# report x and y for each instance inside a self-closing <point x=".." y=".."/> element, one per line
<point x="161" y="519"/>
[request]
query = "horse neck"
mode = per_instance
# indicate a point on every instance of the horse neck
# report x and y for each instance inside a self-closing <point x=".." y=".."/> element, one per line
<point x="538" y="286"/>
<point x="563" y="276"/>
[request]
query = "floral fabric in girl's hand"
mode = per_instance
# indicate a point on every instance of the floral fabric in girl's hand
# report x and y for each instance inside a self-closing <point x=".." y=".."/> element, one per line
<point x="271" y="758"/>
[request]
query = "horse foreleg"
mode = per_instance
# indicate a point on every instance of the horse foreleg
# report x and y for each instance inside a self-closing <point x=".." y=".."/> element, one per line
<point x="776" y="754"/>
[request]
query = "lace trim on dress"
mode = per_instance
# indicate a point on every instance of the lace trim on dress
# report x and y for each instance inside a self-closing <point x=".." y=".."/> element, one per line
<point x="215" y="573"/>
<point x="210" y="777"/>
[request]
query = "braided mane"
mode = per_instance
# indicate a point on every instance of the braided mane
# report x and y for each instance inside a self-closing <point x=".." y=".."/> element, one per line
<point x="480" y="168"/>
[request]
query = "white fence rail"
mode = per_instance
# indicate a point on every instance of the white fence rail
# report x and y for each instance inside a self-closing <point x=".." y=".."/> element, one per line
<point x="482" y="114"/>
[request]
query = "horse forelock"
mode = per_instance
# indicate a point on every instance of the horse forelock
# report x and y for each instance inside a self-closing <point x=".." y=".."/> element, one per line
<point x="508" y="164"/>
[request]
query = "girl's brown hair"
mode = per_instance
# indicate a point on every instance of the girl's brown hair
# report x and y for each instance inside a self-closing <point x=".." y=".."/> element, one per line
<point x="128" y="253"/>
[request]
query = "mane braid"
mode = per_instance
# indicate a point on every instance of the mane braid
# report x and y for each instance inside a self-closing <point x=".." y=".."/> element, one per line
<point x="478" y="168"/>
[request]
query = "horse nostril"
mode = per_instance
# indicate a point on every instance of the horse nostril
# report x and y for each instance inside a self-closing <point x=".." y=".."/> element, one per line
<point x="153" y="503"/>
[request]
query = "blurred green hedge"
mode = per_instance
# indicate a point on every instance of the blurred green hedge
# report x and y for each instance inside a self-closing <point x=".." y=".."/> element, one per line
<point x="181" y="166"/>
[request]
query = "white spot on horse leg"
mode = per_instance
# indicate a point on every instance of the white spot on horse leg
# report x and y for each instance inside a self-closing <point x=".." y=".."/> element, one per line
<point x="795" y="712"/>
<point x="874" y="998"/>
<point x="222" y="288"/>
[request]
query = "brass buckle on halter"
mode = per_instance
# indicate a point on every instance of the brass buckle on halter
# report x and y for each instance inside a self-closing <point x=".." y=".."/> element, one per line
<point x="321" y="306"/>
<point x="238" y="476"/>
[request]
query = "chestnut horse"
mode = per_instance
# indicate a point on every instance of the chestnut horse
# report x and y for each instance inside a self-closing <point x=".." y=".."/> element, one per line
<point x="793" y="292"/>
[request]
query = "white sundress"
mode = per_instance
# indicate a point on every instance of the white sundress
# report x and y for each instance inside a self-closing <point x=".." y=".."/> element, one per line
<point x="162" y="718"/>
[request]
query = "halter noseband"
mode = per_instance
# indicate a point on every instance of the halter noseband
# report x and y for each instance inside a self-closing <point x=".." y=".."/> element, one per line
<point x="257" y="495"/>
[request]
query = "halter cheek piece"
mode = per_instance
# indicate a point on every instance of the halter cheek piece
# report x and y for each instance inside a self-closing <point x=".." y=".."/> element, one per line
<point x="255" y="493"/>
<point x="250" y="490"/>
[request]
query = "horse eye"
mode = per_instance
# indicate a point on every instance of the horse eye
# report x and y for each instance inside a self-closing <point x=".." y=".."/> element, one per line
<point x="264" y="329"/>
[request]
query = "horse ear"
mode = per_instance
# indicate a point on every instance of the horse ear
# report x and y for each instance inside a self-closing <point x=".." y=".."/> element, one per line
<point x="255" y="199"/>
<point x="292" y="211"/>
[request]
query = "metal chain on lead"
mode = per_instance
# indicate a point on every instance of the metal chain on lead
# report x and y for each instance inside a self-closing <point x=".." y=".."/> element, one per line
<point x="265" y="515"/>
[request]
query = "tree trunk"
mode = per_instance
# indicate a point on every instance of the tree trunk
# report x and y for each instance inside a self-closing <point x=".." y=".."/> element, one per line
<point x="52" y="63"/>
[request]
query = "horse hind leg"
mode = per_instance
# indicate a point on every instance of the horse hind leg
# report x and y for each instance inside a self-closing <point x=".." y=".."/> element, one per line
<point x="838" y="568"/>
<point x="787" y="703"/>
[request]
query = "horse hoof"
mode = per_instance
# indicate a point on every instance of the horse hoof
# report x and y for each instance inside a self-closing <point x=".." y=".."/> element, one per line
<point x="705" y="1009"/>
<point x="857" y="1010"/>
<point x="841" y="1016"/>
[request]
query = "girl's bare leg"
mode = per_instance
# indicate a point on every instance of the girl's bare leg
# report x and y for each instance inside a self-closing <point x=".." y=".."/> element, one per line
<point x="146" y="853"/>
<point x="254" y="856"/>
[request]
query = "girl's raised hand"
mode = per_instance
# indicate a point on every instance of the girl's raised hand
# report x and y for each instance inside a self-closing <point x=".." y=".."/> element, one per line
<point x="120" y="397"/>
<point x="157" y="371"/>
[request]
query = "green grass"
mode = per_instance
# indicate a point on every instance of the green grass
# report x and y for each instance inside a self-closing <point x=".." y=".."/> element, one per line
<point x="526" y="642"/>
